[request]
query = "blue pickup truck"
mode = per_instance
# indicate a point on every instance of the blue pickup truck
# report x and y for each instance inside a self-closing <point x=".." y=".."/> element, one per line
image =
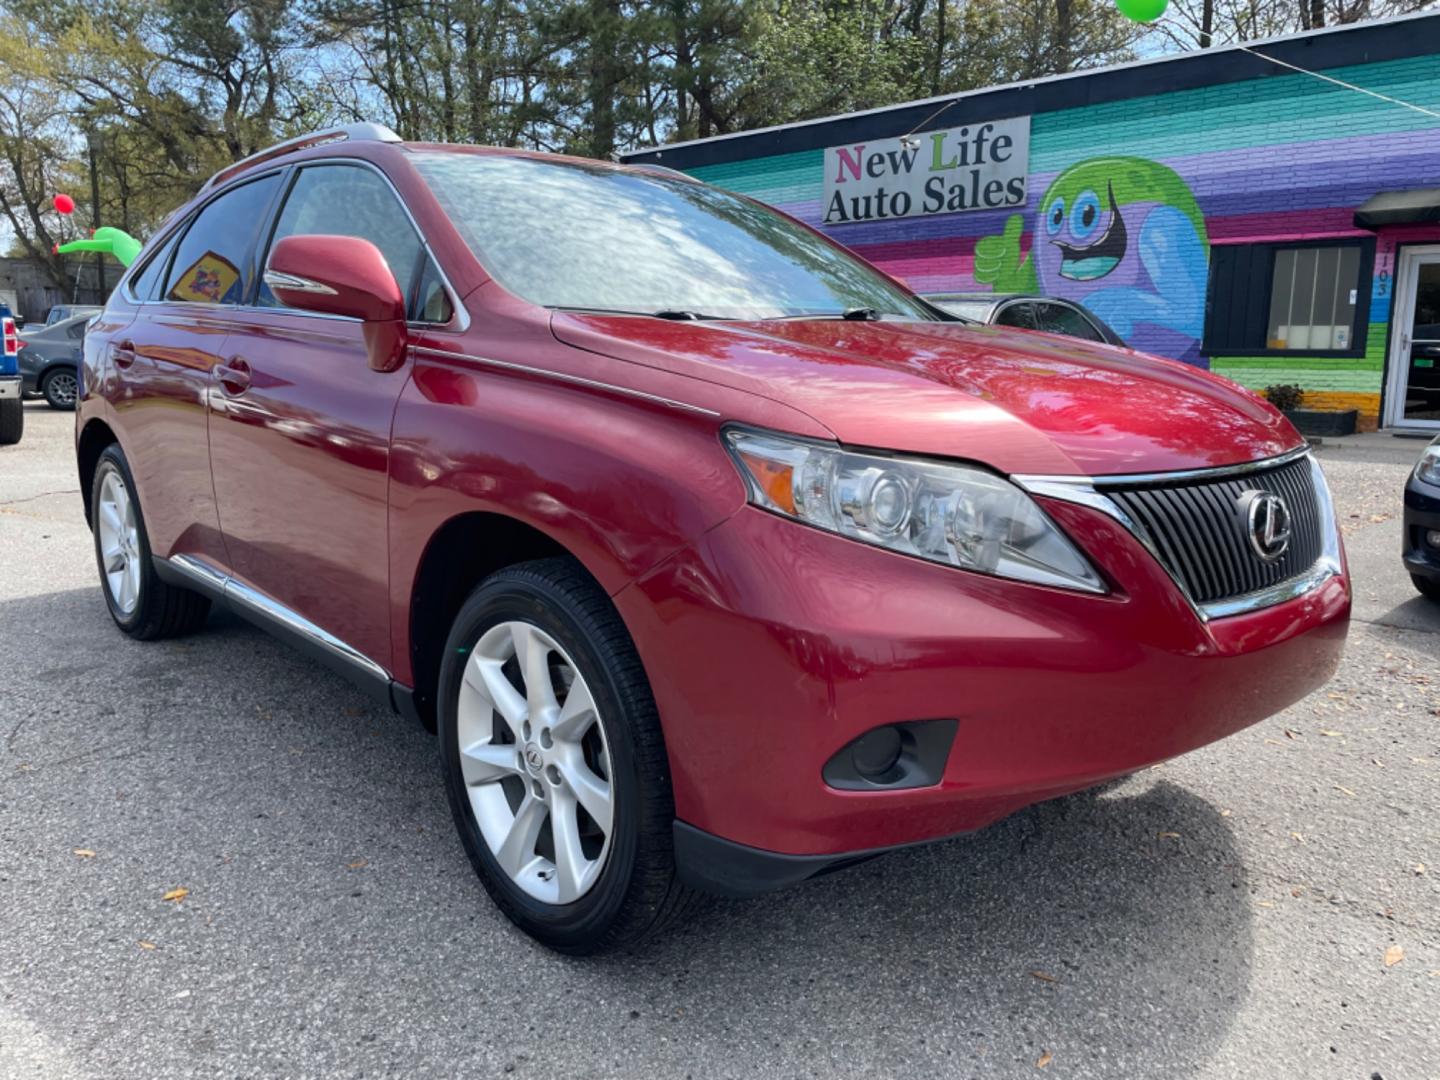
<point x="12" y="409"/>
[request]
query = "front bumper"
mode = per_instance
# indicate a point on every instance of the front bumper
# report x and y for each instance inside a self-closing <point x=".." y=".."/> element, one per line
<point x="770" y="645"/>
<point x="9" y="386"/>
<point x="1422" y="513"/>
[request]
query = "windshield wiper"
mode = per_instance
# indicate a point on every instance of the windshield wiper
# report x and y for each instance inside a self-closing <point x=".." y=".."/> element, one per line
<point x="856" y="314"/>
<point x="673" y="314"/>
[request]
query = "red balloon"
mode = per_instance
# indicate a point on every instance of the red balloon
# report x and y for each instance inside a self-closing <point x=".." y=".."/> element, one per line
<point x="65" y="204"/>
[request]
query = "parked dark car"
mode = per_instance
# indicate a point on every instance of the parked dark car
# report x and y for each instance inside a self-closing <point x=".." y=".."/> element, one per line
<point x="62" y="312"/>
<point x="1048" y="313"/>
<point x="717" y="558"/>
<point x="50" y="360"/>
<point x="1422" y="523"/>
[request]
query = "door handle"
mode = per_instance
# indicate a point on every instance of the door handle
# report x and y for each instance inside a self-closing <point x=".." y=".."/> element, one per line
<point x="123" y="353"/>
<point x="234" y="377"/>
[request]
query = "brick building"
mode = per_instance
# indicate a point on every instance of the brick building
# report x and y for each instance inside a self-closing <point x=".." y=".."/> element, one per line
<point x="1213" y="207"/>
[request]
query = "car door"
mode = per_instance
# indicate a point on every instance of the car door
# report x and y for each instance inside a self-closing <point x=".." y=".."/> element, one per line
<point x="184" y="295"/>
<point x="300" y="427"/>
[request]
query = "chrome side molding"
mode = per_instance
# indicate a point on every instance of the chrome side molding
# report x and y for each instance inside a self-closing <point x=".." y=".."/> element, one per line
<point x="255" y="604"/>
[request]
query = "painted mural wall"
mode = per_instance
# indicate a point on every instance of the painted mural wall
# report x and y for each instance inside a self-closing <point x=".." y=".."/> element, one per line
<point x="1126" y="199"/>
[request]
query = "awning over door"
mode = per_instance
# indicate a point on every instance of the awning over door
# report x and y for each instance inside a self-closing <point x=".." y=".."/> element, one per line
<point x="1413" y="207"/>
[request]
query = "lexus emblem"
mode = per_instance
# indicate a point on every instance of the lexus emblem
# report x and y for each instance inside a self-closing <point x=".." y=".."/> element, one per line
<point x="1267" y="523"/>
<point x="533" y="758"/>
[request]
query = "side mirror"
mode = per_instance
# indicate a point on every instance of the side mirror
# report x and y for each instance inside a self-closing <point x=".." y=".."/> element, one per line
<point x="343" y="275"/>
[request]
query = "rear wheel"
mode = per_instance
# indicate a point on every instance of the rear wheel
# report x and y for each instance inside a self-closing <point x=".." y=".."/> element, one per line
<point x="140" y="603"/>
<point x="1429" y="587"/>
<point x="12" y="421"/>
<point x="61" y="387"/>
<point x="554" y="761"/>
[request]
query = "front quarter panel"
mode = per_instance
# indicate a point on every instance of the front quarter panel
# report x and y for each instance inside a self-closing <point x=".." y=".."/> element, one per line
<point x="619" y="481"/>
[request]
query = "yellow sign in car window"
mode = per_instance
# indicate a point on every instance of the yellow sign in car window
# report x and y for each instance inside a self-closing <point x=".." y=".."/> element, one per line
<point x="210" y="279"/>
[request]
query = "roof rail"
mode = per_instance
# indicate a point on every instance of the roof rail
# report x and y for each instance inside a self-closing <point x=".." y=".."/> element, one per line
<point x="356" y="132"/>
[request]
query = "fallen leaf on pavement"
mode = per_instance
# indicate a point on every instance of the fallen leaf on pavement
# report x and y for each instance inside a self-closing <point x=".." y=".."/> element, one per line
<point x="1393" y="955"/>
<point x="1167" y="836"/>
<point x="1226" y="813"/>
<point x="1419" y="869"/>
<point x="1044" y="1059"/>
<point x="1291" y="734"/>
<point x="1299" y="837"/>
<point x="84" y="853"/>
<point x="1265" y="903"/>
<point x="358" y="863"/>
<point x="1346" y="790"/>
<point x="146" y="944"/>
<point x="1331" y="734"/>
<point x="176" y="894"/>
<point x="1043" y="977"/>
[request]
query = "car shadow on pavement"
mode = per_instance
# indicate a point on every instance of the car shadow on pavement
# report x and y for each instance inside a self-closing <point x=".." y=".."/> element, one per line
<point x="311" y="830"/>
<point x="1117" y="919"/>
<point x="1414" y="614"/>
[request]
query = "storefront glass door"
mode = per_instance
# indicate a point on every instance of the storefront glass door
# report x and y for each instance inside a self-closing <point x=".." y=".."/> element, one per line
<point x="1414" y="390"/>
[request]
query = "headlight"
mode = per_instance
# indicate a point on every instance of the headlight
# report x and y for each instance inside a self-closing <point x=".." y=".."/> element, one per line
<point x="944" y="513"/>
<point x="1428" y="467"/>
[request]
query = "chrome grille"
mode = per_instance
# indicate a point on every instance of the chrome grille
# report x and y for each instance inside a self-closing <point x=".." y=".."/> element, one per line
<point x="1199" y="528"/>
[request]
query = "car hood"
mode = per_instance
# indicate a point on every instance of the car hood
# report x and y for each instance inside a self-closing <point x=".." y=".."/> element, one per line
<point x="1017" y="400"/>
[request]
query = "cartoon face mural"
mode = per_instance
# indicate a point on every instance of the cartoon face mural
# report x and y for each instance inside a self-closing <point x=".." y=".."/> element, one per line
<point x="1125" y="237"/>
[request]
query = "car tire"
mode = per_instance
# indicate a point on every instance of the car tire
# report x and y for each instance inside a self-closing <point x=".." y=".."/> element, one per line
<point x="61" y="388"/>
<point x="1427" y="587"/>
<point x="141" y="604"/>
<point x="12" y="421"/>
<point x="553" y="614"/>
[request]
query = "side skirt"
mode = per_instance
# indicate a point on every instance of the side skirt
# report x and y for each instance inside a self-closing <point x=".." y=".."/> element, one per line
<point x="188" y="572"/>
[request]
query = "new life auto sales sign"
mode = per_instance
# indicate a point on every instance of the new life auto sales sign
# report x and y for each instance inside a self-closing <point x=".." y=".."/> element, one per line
<point x="977" y="167"/>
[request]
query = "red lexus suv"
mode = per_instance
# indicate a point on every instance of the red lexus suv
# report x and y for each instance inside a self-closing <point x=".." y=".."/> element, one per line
<point x="715" y="557"/>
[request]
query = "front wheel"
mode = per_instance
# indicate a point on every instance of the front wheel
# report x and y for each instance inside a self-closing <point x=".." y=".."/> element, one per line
<point x="140" y="603"/>
<point x="554" y="761"/>
<point x="1428" y="587"/>
<point x="61" y="387"/>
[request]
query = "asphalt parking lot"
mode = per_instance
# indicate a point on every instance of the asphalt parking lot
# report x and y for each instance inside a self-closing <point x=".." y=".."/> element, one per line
<point x="1269" y="906"/>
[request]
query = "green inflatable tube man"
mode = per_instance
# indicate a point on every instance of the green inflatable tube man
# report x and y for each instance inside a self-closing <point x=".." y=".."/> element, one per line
<point x="108" y="241"/>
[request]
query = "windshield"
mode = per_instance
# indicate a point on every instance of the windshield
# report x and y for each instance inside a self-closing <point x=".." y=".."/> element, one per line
<point x="574" y="236"/>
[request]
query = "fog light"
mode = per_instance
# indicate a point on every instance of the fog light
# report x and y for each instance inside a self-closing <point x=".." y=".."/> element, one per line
<point x="906" y="754"/>
<point x="876" y="752"/>
<point x="1432" y="537"/>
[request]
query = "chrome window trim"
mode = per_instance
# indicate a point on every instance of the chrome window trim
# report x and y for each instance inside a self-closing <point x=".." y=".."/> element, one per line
<point x="560" y="376"/>
<point x="239" y="593"/>
<point x="1085" y="491"/>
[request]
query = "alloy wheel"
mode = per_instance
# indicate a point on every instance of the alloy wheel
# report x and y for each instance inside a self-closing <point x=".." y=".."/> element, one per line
<point x="536" y="762"/>
<point x="61" y="390"/>
<point x="119" y="543"/>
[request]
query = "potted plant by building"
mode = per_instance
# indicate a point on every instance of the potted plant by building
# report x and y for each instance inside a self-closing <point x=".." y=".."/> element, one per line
<point x="1287" y="397"/>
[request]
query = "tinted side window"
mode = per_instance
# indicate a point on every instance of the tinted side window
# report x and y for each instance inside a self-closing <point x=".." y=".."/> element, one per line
<point x="348" y="200"/>
<point x="1063" y="319"/>
<point x="431" y="302"/>
<point x="211" y="264"/>
<point x="144" y="284"/>
<point x="1021" y="315"/>
<point x="77" y="328"/>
